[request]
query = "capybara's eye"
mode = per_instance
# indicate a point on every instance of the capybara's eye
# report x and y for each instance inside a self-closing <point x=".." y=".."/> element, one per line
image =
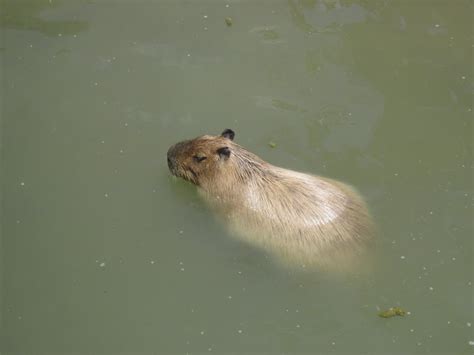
<point x="199" y="158"/>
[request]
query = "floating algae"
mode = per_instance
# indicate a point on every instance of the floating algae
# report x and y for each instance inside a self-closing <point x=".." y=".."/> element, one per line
<point x="392" y="312"/>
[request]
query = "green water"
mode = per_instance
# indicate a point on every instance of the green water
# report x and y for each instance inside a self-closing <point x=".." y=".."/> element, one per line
<point x="103" y="252"/>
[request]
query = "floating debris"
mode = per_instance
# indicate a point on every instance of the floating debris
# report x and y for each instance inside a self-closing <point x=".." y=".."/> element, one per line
<point x="228" y="21"/>
<point x="272" y="144"/>
<point x="392" y="312"/>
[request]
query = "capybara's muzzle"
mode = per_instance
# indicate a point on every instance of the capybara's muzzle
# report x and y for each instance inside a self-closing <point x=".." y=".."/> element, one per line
<point x="171" y="156"/>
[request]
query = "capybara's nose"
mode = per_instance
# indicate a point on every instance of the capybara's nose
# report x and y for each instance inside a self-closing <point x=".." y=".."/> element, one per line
<point x="171" y="157"/>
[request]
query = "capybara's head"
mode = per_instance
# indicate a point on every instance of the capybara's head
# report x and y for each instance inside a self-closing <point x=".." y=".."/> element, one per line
<point x="200" y="158"/>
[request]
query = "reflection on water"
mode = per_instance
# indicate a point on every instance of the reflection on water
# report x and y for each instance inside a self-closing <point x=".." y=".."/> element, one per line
<point x="103" y="252"/>
<point x="268" y="34"/>
<point x="26" y="15"/>
<point x="276" y="104"/>
<point x="326" y="16"/>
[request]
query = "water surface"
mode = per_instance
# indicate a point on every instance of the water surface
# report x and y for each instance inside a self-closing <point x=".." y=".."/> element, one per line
<point x="103" y="252"/>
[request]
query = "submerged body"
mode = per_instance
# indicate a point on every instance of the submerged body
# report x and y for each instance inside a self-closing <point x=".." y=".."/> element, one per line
<point x="303" y="219"/>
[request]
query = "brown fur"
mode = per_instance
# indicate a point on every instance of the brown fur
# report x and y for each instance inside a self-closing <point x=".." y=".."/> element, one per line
<point x="303" y="219"/>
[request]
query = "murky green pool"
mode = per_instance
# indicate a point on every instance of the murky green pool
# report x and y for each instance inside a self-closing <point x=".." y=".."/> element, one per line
<point x="103" y="252"/>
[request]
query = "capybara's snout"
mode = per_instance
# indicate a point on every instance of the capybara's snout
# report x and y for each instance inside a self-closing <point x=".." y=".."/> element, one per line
<point x="171" y="157"/>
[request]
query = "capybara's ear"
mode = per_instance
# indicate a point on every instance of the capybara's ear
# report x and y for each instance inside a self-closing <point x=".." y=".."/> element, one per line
<point x="224" y="152"/>
<point x="228" y="133"/>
